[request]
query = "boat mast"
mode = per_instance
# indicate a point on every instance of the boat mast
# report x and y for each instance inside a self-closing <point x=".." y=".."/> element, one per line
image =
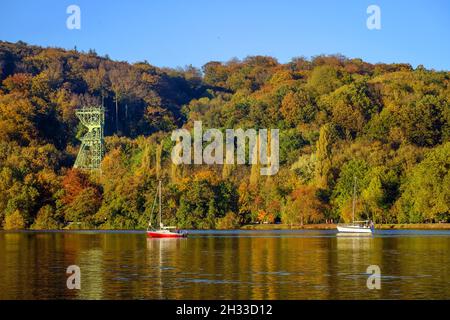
<point x="160" y="221"/>
<point x="354" y="199"/>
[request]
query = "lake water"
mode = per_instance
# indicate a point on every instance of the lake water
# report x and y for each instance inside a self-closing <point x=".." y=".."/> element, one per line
<point x="225" y="265"/>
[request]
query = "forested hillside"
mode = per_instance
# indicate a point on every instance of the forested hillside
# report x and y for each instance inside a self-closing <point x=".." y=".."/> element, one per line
<point x="339" y="118"/>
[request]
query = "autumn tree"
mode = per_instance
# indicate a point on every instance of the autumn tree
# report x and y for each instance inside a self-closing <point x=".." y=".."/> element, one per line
<point x="81" y="198"/>
<point x="302" y="206"/>
<point x="298" y="107"/>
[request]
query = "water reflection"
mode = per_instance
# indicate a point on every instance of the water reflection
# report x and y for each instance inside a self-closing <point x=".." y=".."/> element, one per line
<point x="240" y="265"/>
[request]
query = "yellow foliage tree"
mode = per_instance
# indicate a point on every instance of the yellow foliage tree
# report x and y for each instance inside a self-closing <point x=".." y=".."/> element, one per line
<point x="14" y="221"/>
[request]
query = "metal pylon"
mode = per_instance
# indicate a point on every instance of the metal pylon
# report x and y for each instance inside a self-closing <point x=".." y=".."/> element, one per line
<point x="92" y="144"/>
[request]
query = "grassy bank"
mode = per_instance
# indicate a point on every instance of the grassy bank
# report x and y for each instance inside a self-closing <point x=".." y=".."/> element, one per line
<point x="405" y="226"/>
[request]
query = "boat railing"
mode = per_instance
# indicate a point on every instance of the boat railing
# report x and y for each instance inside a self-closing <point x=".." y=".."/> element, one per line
<point x="168" y="227"/>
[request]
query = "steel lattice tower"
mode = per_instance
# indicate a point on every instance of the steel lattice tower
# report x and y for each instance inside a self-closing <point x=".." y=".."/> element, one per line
<point x="92" y="143"/>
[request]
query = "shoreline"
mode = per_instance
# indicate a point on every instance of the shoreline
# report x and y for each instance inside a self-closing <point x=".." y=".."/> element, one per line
<point x="269" y="227"/>
<point x="331" y="226"/>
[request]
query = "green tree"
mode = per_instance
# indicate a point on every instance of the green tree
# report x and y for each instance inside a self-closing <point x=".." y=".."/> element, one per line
<point x="343" y="191"/>
<point x="426" y="193"/>
<point x="324" y="155"/>
<point x="325" y="79"/>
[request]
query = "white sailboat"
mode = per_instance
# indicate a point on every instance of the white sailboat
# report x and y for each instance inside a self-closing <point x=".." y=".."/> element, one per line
<point x="365" y="226"/>
<point x="163" y="231"/>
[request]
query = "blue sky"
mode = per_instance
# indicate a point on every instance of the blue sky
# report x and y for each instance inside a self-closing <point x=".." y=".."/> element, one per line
<point x="177" y="33"/>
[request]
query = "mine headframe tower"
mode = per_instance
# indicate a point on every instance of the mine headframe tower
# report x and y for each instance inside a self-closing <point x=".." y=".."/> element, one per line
<point x="92" y="143"/>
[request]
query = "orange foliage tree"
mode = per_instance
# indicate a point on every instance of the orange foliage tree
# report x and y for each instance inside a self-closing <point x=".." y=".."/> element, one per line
<point x="303" y="206"/>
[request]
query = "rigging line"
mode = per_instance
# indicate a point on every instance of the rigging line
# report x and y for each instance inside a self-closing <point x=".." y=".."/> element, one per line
<point x="153" y="208"/>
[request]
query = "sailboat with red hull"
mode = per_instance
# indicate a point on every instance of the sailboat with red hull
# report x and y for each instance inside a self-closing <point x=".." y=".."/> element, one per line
<point x="163" y="231"/>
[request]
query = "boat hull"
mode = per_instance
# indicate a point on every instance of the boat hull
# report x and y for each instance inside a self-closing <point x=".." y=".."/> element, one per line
<point x="158" y="234"/>
<point x="354" y="229"/>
